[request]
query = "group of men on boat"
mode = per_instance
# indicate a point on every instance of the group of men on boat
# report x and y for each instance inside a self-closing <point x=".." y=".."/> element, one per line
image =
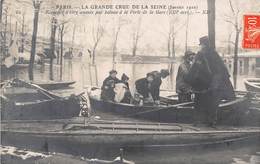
<point x="147" y="88"/>
<point x="202" y="74"/>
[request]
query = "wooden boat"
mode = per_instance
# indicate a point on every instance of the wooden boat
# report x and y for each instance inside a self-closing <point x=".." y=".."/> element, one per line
<point x="98" y="135"/>
<point x="236" y="112"/>
<point x="252" y="84"/>
<point x="51" y="85"/>
<point x="22" y="100"/>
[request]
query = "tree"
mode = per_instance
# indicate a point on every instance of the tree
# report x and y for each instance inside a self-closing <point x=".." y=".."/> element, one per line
<point x="234" y="21"/>
<point x="97" y="34"/>
<point x="1" y="10"/>
<point x="62" y="31"/>
<point x="22" y="34"/>
<point x="174" y="28"/>
<point x="211" y="22"/>
<point x="117" y="28"/>
<point x="186" y="32"/>
<point x="52" y="45"/>
<point x="36" y="5"/>
<point x="171" y="36"/>
<point x="3" y="30"/>
<point x="136" y="36"/>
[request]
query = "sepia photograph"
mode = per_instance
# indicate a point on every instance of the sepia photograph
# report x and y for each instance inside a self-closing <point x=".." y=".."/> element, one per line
<point x="130" y="81"/>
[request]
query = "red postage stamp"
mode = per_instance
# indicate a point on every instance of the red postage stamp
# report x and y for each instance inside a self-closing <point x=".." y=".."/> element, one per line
<point x="251" y="39"/>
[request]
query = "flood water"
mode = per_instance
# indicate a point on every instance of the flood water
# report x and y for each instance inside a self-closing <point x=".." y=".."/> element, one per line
<point x="84" y="74"/>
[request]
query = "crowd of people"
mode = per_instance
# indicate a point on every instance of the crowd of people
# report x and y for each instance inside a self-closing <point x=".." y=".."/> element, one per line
<point x="202" y="74"/>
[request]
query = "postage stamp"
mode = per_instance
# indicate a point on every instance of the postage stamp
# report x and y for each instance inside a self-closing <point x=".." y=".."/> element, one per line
<point x="251" y="39"/>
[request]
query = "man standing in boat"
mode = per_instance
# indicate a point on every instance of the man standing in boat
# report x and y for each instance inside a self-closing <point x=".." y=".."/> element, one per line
<point x="156" y="84"/>
<point x="107" y="89"/>
<point x="183" y="89"/>
<point x="209" y="79"/>
<point x="143" y="88"/>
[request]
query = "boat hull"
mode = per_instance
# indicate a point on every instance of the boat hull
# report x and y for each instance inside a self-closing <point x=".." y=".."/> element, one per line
<point x="55" y="85"/>
<point x="229" y="114"/>
<point x="52" y="137"/>
<point x="25" y="101"/>
<point x="250" y="86"/>
<point x="49" y="109"/>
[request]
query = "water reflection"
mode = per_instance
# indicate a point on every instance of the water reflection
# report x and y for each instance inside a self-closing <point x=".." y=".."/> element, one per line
<point x="86" y="74"/>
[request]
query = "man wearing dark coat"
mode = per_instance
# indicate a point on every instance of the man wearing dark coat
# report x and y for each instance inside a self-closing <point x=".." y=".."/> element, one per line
<point x="143" y="87"/>
<point x="209" y="79"/>
<point x="107" y="89"/>
<point x="156" y="84"/>
<point x="183" y="89"/>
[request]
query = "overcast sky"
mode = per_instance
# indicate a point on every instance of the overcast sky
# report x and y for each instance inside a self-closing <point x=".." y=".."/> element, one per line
<point x="153" y="28"/>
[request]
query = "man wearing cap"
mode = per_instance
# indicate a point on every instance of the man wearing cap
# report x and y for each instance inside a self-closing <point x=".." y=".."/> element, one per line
<point x="107" y="89"/>
<point x="209" y="79"/>
<point x="183" y="89"/>
<point x="156" y="84"/>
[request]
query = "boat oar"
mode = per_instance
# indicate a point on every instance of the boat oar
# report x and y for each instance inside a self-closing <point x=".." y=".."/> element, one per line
<point x="175" y="106"/>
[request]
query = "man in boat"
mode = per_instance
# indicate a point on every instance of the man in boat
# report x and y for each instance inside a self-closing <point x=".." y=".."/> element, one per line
<point x="156" y="84"/>
<point x="122" y="91"/>
<point x="107" y="89"/>
<point x="209" y="79"/>
<point x="143" y="89"/>
<point x="183" y="89"/>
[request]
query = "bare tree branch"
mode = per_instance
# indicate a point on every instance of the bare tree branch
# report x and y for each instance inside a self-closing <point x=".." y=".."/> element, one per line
<point x="231" y="7"/>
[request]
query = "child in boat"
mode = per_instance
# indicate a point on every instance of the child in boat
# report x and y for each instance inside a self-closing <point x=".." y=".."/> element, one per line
<point x="183" y="89"/>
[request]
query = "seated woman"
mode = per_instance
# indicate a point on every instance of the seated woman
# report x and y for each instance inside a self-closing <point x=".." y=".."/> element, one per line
<point x="122" y="91"/>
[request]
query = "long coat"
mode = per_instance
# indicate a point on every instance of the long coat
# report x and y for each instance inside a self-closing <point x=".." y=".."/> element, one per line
<point x="182" y="87"/>
<point x="143" y="87"/>
<point x="107" y="89"/>
<point x="220" y="76"/>
<point x="156" y="84"/>
<point x="209" y="76"/>
<point x="210" y="73"/>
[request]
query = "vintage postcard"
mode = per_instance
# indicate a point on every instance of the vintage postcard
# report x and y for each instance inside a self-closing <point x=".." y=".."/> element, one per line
<point x="130" y="81"/>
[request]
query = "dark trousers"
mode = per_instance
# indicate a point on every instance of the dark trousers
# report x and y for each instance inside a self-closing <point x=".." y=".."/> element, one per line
<point x="206" y="107"/>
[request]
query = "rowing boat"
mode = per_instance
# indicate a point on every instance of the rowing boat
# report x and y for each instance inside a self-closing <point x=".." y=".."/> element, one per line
<point x="252" y="84"/>
<point x="52" y="85"/>
<point x="22" y="100"/>
<point x="77" y="136"/>
<point x="236" y="112"/>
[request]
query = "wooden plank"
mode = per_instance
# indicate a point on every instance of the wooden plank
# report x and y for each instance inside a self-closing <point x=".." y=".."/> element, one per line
<point x="125" y="127"/>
